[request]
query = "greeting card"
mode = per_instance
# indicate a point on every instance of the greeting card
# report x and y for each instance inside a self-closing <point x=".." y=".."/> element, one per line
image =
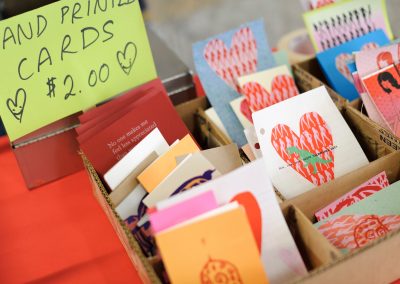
<point x="307" y="142"/>
<point x="252" y="139"/>
<point x="384" y="89"/>
<point x="151" y="177"/>
<point x="224" y="158"/>
<point x="243" y="113"/>
<point x="152" y="142"/>
<point x="213" y="247"/>
<point x="365" y="221"/>
<point x="213" y="116"/>
<point x="120" y="194"/>
<point x="370" y="61"/>
<point x="250" y="186"/>
<point x="368" y="188"/>
<point x="220" y="60"/>
<point x="334" y="62"/>
<point x="181" y="212"/>
<point x="192" y="171"/>
<point x="112" y="142"/>
<point x="347" y="20"/>
<point x="268" y="87"/>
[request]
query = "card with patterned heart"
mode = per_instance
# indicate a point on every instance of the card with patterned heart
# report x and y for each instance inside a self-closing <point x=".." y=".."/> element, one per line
<point x="220" y="60"/>
<point x="334" y="62"/>
<point x="306" y="142"/>
<point x="268" y="87"/>
<point x="365" y="221"/>
<point x="251" y="188"/>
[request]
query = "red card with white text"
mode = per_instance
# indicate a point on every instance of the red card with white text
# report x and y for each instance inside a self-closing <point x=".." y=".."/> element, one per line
<point x="368" y="188"/>
<point x="113" y="142"/>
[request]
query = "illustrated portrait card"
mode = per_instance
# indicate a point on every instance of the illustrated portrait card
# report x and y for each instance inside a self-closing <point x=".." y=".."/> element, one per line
<point x="383" y="88"/>
<point x="306" y="142"/>
<point x="341" y="22"/>
<point x="335" y="62"/>
<point x="220" y="60"/>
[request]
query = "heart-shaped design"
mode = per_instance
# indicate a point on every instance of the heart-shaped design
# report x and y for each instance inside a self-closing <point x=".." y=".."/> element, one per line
<point x="253" y="212"/>
<point x="17" y="106"/>
<point x="343" y="59"/>
<point x="127" y="58"/>
<point x="310" y="154"/>
<point x="245" y="110"/>
<point x="282" y="88"/>
<point x="239" y="60"/>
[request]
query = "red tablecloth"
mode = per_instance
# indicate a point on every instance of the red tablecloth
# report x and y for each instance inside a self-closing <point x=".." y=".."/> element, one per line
<point x="56" y="233"/>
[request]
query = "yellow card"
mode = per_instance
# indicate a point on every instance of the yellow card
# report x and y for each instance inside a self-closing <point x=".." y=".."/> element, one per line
<point x="151" y="177"/>
<point x="69" y="56"/>
<point x="220" y="247"/>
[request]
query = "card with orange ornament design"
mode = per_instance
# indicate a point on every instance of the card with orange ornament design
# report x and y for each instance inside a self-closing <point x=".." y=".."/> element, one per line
<point x="365" y="221"/>
<point x="215" y="247"/>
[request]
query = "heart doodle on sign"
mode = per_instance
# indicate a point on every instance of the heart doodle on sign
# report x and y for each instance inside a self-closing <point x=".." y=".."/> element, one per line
<point x="127" y="58"/>
<point x="239" y="60"/>
<point x="17" y="105"/>
<point x="311" y="154"/>
<point x="343" y="59"/>
<point x="282" y="87"/>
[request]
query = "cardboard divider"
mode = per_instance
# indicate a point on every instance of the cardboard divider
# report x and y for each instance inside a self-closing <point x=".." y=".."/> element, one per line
<point x="314" y="247"/>
<point x="375" y="140"/>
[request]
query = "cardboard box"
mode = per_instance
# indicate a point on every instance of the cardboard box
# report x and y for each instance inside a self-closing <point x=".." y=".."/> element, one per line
<point x="378" y="141"/>
<point x="325" y="263"/>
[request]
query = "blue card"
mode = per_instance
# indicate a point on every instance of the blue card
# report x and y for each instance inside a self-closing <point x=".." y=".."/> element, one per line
<point x="222" y="59"/>
<point x="334" y="62"/>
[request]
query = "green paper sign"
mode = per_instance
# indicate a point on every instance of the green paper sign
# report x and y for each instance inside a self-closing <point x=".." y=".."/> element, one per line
<point x="69" y="56"/>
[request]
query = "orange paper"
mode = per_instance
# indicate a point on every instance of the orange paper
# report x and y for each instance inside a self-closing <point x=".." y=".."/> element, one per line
<point x="151" y="177"/>
<point x="219" y="246"/>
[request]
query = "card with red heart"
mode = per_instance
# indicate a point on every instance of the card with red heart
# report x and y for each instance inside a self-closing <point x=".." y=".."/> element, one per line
<point x="220" y="60"/>
<point x="306" y="142"/>
<point x="251" y="188"/>
<point x="268" y="87"/>
<point x="334" y="62"/>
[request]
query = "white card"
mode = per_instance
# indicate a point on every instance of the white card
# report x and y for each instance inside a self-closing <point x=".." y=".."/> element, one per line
<point x="250" y="187"/>
<point x="152" y="142"/>
<point x="306" y="142"/>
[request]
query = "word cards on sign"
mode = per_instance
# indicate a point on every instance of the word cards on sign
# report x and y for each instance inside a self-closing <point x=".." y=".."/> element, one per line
<point x="68" y="56"/>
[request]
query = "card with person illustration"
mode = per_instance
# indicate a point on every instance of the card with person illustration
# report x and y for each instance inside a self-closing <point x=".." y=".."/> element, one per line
<point x="307" y="142"/>
<point x="383" y="88"/>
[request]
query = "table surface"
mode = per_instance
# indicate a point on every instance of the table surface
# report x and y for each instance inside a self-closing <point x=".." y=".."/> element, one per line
<point x="56" y="233"/>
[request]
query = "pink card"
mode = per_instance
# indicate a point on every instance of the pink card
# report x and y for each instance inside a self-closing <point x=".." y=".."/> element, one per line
<point x="384" y="89"/>
<point x="168" y="217"/>
<point x="368" y="188"/>
<point x="370" y="61"/>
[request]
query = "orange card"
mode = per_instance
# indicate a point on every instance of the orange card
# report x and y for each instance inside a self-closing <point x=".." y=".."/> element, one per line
<point x="151" y="177"/>
<point x="216" y="245"/>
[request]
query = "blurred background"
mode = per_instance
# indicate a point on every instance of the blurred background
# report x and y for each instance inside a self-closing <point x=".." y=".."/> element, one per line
<point x="180" y="23"/>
